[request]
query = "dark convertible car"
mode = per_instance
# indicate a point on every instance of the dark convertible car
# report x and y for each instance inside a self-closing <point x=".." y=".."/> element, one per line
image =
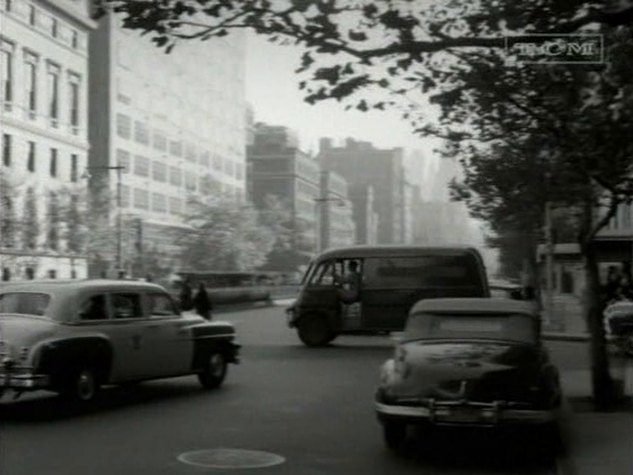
<point x="469" y="362"/>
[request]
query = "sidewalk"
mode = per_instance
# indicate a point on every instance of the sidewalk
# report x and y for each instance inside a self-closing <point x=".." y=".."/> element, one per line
<point x="597" y="442"/>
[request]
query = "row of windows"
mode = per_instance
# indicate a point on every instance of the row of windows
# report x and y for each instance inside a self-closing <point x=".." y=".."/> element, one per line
<point x="33" y="160"/>
<point x="46" y="23"/>
<point x="36" y="101"/>
<point x="126" y="128"/>
<point x="140" y="198"/>
<point x="159" y="170"/>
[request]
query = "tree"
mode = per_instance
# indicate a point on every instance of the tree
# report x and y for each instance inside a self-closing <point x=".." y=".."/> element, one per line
<point x="223" y="236"/>
<point x="275" y="215"/>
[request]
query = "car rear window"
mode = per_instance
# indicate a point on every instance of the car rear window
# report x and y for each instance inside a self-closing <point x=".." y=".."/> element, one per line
<point x="26" y="303"/>
<point x="510" y="327"/>
<point x="423" y="271"/>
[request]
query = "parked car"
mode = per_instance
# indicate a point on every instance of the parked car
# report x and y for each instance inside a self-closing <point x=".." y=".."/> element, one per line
<point x="74" y="336"/>
<point x="504" y="289"/>
<point x="392" y="279"/>
<point x="469" y="362"/>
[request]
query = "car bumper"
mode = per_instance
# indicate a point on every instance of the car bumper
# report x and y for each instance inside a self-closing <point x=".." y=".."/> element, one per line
<point x="23" y="381"/>
<point x="464" y="413"/>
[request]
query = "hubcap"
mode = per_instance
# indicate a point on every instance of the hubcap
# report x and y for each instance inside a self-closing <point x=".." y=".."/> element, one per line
<point x="85" y="385"/>
<point x="216" y="365"/>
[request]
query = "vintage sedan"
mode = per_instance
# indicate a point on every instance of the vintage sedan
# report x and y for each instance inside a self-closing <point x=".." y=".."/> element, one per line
<point x="469" y="362"/>
<point x="74" y="336"/>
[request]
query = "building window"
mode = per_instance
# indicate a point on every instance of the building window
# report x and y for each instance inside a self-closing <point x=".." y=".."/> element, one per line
<point x="73" y="101"/>
<point x="6" y="149"/>
<point x="6" y="274"/>
<point x="159" y="202"/>
<point x="74" y="165"/>
<point x="74" y="39"/>
<point x="190" y="152"/>
<point x="30" y="164"/>
<point x="30" y="273"/>
<point x="175" y="205"/>
<point x="160" y="141"/>
<point x="53" y="93"/>
<point x="7" y="7"/>
<point x="32" y="15"/>
<point x="159" y="171"/>
<point x="54" y="27"/>
<point x="175" y="176"/>
<point x="125" y="196"/>
<point x="7" y="75"/>
<point x="30" y="66"/>
<point x="123" y="160"/>
<point x="217" y="162"/>
<point x="141" y="166"/>
<point x="123" y="126"/>
<point x="53" y="165"/>
<point x="141" y="132"/>
<point x="190" y="181"/>
<point x="175" y="148"/>
<point x="141" y="198"/>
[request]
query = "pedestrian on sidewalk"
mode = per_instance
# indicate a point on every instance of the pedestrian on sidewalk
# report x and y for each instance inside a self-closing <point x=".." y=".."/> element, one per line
<point x="186" y="296"/>
<point x="202" y="302"/>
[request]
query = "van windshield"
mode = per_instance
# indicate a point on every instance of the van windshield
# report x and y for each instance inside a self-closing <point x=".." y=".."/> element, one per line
<point x="424" y="271"/>
<point x="26" y="303"/>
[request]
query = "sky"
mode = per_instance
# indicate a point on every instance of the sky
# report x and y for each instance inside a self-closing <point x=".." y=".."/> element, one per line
<point x="272" y="89"/>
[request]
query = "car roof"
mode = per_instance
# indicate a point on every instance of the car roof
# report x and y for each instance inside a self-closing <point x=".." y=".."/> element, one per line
<point x="351" y="252"/>
<point x="55" y="286"/>
<point x="476" y="305"/>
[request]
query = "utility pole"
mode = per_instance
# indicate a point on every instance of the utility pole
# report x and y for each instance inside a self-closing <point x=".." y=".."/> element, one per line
<point x="119" y="215"/>
<point x="549" y="264"/>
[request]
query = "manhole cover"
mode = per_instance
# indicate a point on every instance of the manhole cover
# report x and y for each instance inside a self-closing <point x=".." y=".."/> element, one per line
<point x="231" y="458"/>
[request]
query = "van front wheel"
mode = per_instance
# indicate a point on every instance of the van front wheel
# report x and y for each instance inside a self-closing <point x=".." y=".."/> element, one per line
<point x="314" y="331"/>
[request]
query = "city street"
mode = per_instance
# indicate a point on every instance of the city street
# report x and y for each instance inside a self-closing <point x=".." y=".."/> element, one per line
<point x="313" y="407"/>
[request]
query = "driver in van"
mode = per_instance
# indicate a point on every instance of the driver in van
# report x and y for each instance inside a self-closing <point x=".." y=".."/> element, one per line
<point x="350" y="283"/>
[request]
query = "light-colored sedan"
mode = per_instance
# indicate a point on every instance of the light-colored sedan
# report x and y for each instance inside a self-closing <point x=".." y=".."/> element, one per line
<point x="72" y="337"/>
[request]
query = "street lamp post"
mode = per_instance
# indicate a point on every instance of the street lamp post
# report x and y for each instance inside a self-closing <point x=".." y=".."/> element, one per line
<point x="119" y="223"/>
<point x="318" y="216"/>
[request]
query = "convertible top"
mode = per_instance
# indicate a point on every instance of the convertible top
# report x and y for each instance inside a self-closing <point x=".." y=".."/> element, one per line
<point x="476" y="305"/>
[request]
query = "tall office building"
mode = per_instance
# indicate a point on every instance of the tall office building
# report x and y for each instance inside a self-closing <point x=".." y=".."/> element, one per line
<point x="360" y="163"/>
<point x="175" y="122"/>
<point x="335" y="212"/>
<point x="44" y="122"/>
<point x="277" y="166"/>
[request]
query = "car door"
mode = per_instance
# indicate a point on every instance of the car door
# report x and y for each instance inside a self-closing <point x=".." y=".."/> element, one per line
<point x="390" y="288"/>
<point x="130" y="336"/>
<point x="170" y="335"/>
<point x="320" y="294"/>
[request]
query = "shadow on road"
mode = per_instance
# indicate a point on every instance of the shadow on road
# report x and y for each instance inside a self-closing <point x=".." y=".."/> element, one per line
<point x="466" y="450"/>
<point x="46" y="407"/>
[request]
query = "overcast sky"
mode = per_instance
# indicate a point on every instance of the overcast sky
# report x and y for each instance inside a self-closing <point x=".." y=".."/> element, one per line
<point x="272" y="89"/>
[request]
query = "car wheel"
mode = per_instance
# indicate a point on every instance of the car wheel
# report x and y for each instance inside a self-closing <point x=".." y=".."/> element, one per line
<point x="82" y="386"/>
<point x="394" y="433"/>
<point x="214" y="371"/>
<point x="314" y="331"/>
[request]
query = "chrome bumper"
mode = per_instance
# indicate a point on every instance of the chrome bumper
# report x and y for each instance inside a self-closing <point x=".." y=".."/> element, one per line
<point x="23" y="381"/>
<point x="450" y="413"/>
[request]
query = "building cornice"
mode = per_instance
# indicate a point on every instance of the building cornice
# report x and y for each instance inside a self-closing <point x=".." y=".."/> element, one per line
<point x="74" y="13"/>
<point x="18" y="124"/>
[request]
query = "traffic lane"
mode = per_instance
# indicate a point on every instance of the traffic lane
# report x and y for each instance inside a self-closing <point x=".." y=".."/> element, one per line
<point x="327" y="427"/>
<point x="311" y="406"/>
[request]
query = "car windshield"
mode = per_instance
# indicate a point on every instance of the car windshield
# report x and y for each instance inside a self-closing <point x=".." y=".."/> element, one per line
<point x="26" y="303"/>
<point x="507" y="327"/>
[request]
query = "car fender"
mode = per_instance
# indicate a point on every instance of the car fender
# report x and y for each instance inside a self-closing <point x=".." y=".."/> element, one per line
<point x="209" y="337"/>
<point x="59" y="357"/>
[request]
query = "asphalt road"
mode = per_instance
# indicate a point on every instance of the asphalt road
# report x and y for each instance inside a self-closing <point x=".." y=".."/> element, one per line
<point x="313" y="407"/>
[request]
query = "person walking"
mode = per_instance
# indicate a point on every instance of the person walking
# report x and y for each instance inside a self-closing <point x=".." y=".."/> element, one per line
<point x="202" y="302"/>
<point x="186" y="296"/>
